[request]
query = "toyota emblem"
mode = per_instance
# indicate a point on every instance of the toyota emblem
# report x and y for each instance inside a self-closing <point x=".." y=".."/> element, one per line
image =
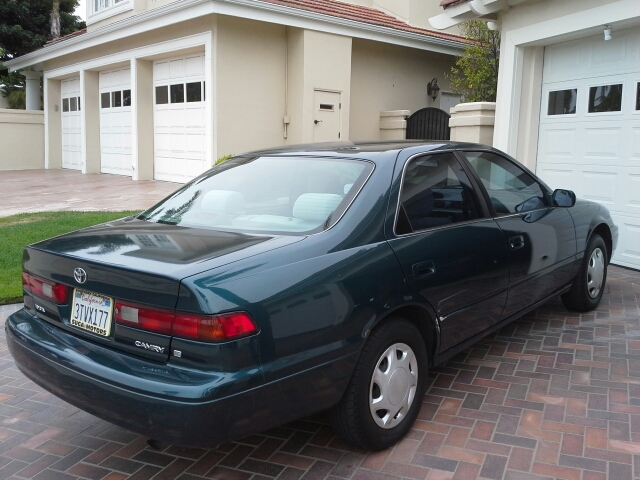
<point x="80" y="275"/>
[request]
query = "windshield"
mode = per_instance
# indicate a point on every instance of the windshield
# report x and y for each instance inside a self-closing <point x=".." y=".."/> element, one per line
<point x="294" y="195"/>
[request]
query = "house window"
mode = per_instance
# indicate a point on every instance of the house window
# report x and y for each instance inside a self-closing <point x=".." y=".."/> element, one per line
<point x="105" y="100"/>
<point x="99" y="5"/>
<point x="562" y="102"/>
<point x="606" y="98"/>
<point x="65" y="104"/>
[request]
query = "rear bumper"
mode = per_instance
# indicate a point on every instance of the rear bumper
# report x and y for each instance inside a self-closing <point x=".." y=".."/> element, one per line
<point x="166" y="403"/>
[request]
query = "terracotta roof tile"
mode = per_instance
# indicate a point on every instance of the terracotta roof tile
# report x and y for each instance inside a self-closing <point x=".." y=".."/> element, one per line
<point x="358" y="13"/>
<point x="66" y="37"/>
<point x="451" y="3"/>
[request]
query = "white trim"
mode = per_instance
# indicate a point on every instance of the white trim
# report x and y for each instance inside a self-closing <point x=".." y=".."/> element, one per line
<point x="94" y="17"/>
<point x="184" y="10"/>
<point x="170" y="48"/>
<point x="83" y="121"/>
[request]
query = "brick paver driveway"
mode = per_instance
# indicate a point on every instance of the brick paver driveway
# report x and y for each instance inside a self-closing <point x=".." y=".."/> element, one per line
<point x="553" y="395"/>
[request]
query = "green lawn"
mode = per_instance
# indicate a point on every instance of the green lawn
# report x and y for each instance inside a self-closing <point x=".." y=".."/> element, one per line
<point x="18" y="231"/>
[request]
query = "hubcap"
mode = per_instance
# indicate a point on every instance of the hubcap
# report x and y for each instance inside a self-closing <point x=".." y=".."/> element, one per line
<point x="595" y="273"/>
<point x="393" y="385"/>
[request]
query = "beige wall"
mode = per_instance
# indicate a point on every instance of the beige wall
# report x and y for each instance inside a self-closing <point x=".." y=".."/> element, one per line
<point x="21" y="139"/>
<point x="327" y="66"/>
<point x="250" y="84"/>
<point x="389" y="77"/>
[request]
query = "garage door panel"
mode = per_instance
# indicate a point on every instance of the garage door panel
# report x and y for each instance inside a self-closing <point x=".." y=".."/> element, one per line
<point x="558" y="175"/>
<point x="194" y="118"/>
<point x="194" y="66"/>
<point x="628" y="251"/>
<point x="177" y="118"/>
<point x="194" y="144"/>
<point x="631" y="188"/>
<point x="176" y="69"/>
<point x="599" y="185"/>
<point x="557" y="142"/>
<point x="602" y="143"/>
<point x="635" y="143"/>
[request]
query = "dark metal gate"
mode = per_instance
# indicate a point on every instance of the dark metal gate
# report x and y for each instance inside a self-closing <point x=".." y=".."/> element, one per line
<point x="428" y="124"/>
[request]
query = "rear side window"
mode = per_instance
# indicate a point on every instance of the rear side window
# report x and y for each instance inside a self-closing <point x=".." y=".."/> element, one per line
<point x="510" y="189"/>
<point x="435" y="192"/>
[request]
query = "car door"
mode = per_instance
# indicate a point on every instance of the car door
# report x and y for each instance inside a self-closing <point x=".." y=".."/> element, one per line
<point x="540" y="238"/>
<point x="452" y="253"/>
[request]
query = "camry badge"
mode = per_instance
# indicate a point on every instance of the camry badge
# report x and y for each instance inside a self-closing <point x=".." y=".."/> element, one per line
<point x="80" y="275"/>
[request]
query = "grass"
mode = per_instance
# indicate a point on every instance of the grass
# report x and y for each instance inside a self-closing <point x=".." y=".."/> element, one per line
<point x="18" y="231"/>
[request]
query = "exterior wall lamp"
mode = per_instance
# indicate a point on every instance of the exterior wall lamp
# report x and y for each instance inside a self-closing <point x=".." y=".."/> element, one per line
<point x="433" y="88"/>
<point x="607" y="32"/>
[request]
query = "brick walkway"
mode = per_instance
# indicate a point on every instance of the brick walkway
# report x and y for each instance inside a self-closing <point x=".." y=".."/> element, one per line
<point x="553" y="395"/>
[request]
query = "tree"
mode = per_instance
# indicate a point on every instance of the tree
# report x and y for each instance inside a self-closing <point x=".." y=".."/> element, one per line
<point x="26" y="25"/>
<point x="475" y="74"/>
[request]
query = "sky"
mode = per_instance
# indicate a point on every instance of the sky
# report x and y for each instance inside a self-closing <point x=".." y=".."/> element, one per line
<point x="81" y="11"/>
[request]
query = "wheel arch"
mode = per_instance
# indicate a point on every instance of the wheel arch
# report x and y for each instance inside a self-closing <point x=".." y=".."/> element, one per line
<point x="423" y="320"/>
<point x="604" y="231"/>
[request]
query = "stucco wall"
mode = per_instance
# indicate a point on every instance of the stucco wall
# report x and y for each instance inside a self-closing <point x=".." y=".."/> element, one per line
<point x="250" y="81"/>
<point x="21" y="139"/>
<point x="389" y="77"/>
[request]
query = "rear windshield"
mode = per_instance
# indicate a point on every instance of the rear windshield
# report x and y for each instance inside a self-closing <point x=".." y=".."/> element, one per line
<point x="293" y="195"/>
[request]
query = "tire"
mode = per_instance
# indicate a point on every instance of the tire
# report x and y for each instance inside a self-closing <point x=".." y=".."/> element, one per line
<point x="588" y="286"/>
<point x="385" y="392"/>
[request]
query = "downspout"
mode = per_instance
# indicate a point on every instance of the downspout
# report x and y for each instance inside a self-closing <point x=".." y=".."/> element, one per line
<point x="285" y="119"/>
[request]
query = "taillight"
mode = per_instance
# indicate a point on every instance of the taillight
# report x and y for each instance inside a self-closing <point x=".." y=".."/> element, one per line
<point x="159" y="321"/>
<point x="45" y="288"/>
<point x="206" y="328"/>
<point x="214" y="328"/>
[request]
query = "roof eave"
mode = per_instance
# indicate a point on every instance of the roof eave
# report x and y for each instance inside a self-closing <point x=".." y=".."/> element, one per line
<point x="469" y="10"/>
<point x="187" y="9"/>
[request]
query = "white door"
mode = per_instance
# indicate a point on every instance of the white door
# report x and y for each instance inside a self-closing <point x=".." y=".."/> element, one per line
<point x="71" y="124"/>
<point x="326" y="116"/>
<point x="589" y="136"/>
<point x="179" y="119"/>
<point x="115" y="122"/>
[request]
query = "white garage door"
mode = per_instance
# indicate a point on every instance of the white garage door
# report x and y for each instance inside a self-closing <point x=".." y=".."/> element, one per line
<point x="115" y="122"/>
<point x="71" y="124"/>
<point x="179" y="119"/>
<point x="589" y="138"/>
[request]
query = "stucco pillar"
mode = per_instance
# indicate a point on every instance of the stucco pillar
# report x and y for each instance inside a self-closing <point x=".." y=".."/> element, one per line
<point x="473" y="122"/>
<point x="142" y="118"/>
<point x="90" y="118"/>
<point x="393" y="124"/>
<point x="52" y="124"/>
<point x="32" y="92"/>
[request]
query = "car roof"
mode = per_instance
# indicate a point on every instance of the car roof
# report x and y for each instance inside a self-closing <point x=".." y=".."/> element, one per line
<point x="356" y="149"/>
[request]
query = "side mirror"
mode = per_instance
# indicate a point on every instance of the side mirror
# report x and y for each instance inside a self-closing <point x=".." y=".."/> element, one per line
<point x="564" y="198"/>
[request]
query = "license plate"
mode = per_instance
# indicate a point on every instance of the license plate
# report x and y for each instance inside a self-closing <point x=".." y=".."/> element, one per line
<point x="91" y="312"/>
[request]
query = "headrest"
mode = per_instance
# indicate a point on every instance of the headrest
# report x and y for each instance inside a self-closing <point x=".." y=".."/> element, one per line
<point x="222" y="201"/>
<point x="315" y="207"/>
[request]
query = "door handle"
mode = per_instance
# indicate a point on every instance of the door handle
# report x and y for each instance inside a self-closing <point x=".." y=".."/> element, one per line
<point x="423" y="269"/>
<point x="516" y="242"/>
<point x="317" y="121"/>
